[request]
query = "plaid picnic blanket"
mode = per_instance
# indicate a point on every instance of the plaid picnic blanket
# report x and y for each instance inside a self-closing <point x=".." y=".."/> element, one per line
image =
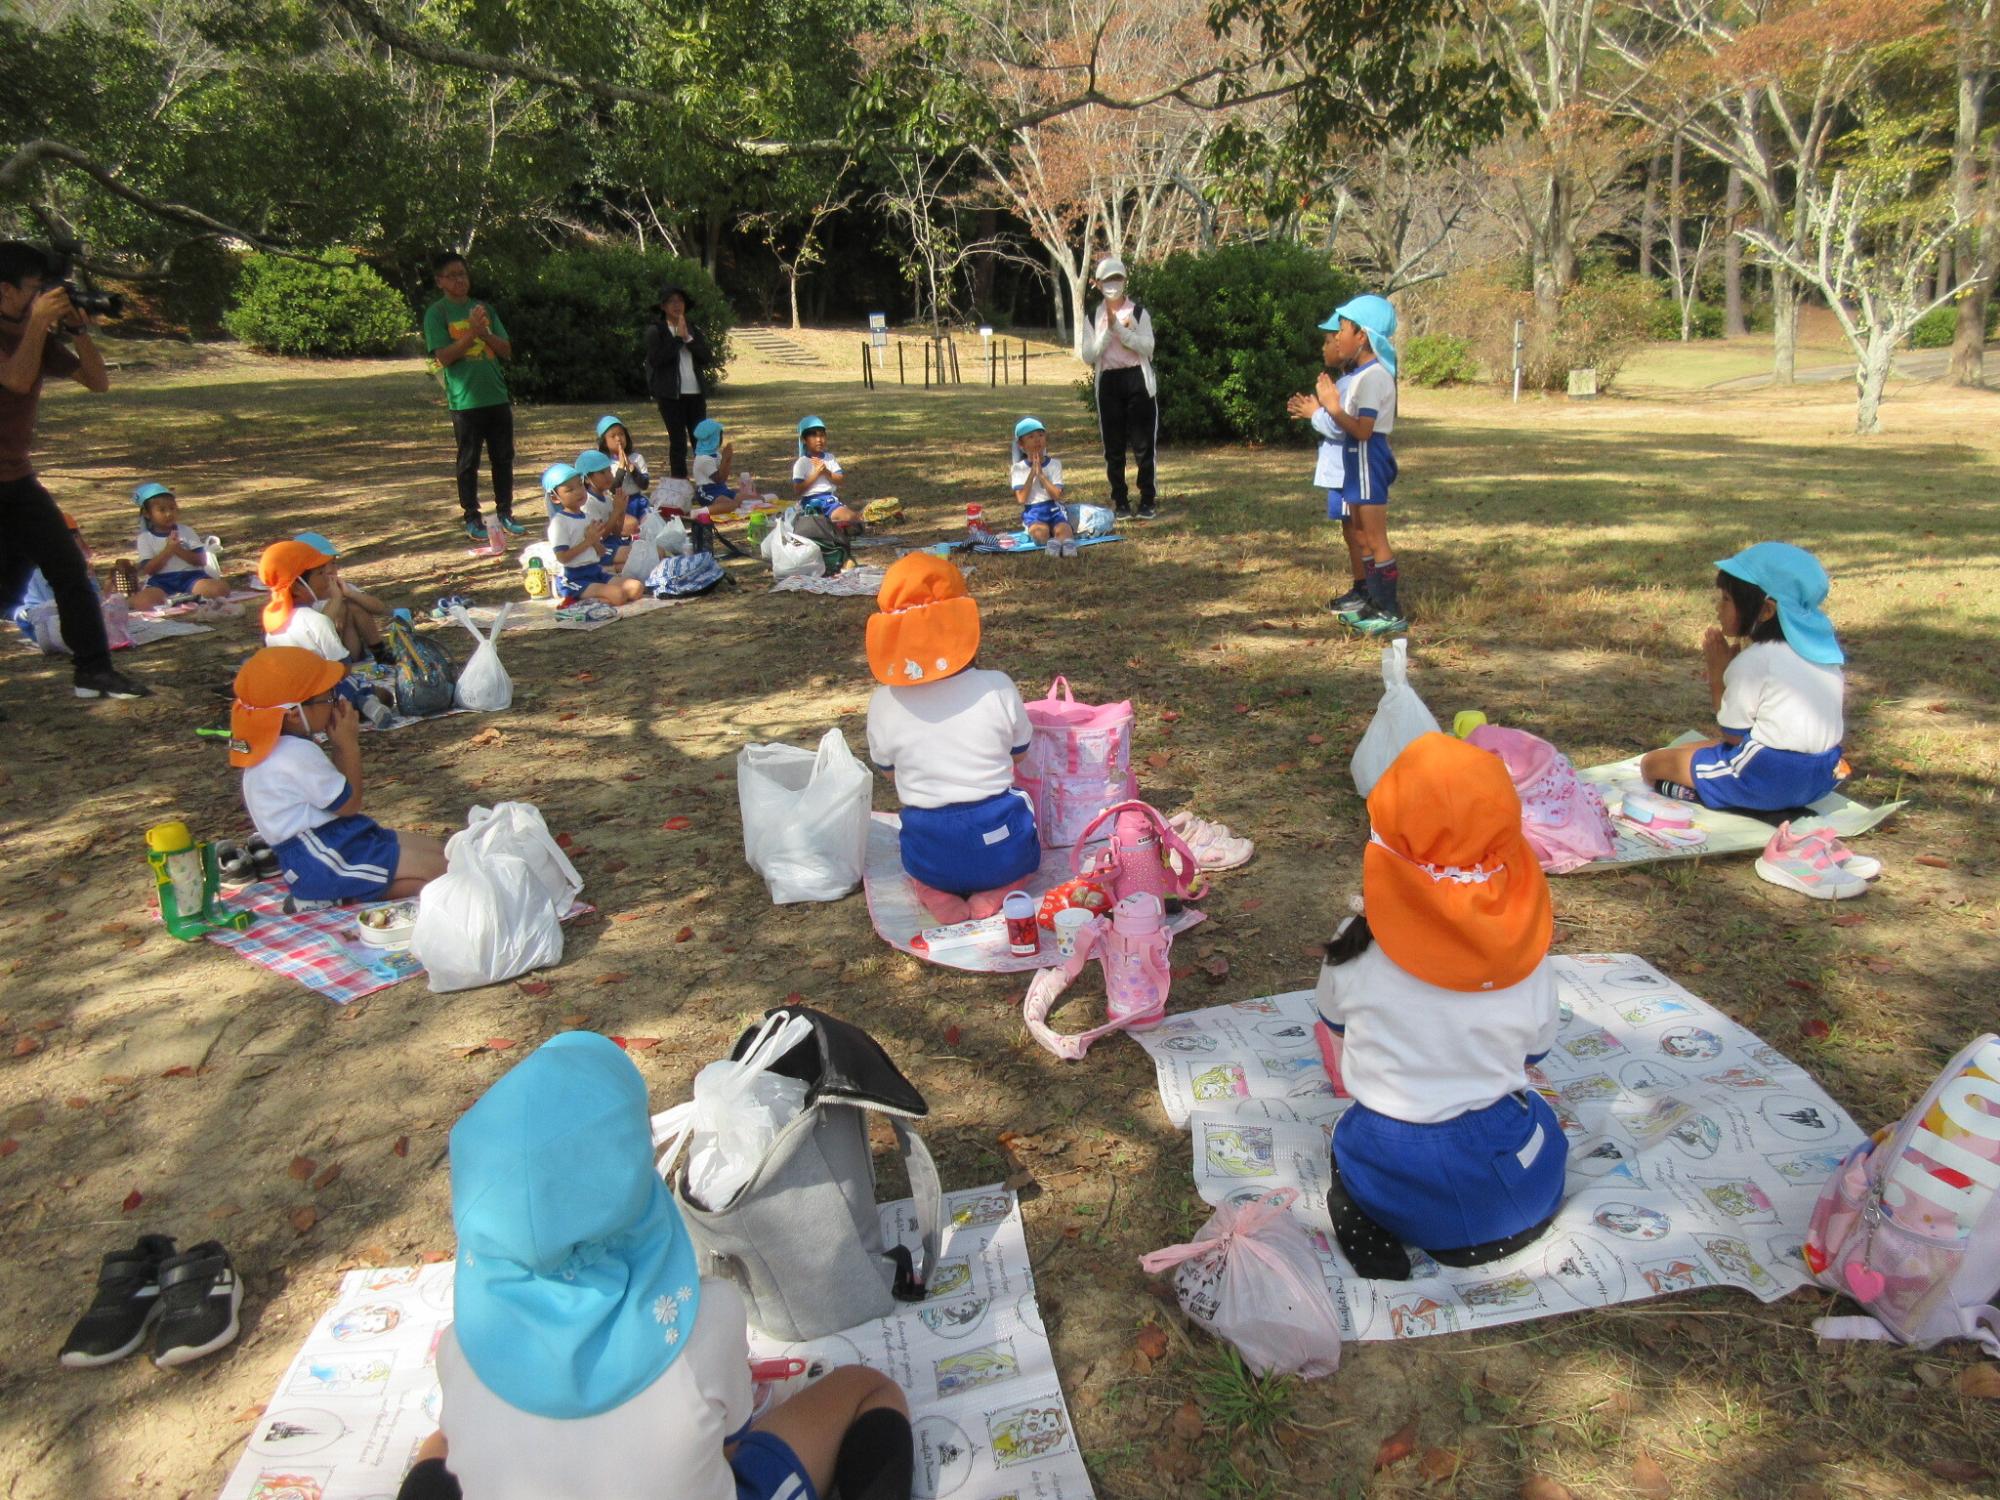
<point x="319" y="948"/>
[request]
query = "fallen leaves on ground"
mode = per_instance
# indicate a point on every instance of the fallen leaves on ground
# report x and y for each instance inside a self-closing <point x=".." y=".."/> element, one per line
<point x="535" y="988"/>
<point x="1649" y="1479"/>
<point x="1438" y="1464"/>
<point x="132" y="1200"/>
<point x="1957" y="1470"/>
<point x="637" y="1043"/>
<point x="1814" y="1029"/>
<point x="1153" y="1341"/>
<point x="402" y="1146"/>
<point x="327" y="1178"/>
<point x="1397" y="1446"/>
<point x="302" y="1167"/>
<point x="304" y="1217"/>
<point x="1980" y="1380"/>
<point x="1934" y="861"/>
<point x="1541" y="1487"/>
<point x="677" y="823"/>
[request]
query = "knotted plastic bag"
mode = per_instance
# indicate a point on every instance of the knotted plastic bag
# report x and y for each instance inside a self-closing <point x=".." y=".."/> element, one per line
<point x="1399" y="718"/>
<point x="484" y="686"/>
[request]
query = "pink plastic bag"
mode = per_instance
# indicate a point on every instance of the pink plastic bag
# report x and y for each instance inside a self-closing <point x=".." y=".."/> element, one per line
<point x="1564" y="819"/>
<point x="1251" y="1277"/>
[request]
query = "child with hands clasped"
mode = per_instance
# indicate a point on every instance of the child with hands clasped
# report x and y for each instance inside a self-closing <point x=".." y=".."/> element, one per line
<point x="358" y="615"/>
<point x="1036" y="476"/>
<point x="714" y="458"/>
<point x="817" y="477"/>
<point x="588" y="1357"/>
<point x="949" y="732"/>
<point x="298" y="744"/>
<point x="584" y="548"/>
<point x="1360" y="406"/>
<point x="628" y="465"/>
<point x="173" y="559"/>
<point x="1434" y="1001"/>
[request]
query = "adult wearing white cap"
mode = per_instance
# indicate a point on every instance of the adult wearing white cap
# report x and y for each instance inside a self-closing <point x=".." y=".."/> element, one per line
<point x="1119" y="344"/>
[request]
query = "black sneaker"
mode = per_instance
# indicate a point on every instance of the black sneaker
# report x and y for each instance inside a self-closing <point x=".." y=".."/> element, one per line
<point x="1147" y="510"/>
<point x="1351" y="602"/>
<point x="112" y="683"/>
<point x="127" y="1301"/>
<point x="1123" y="508"/>
<point x="199" y="1296"/>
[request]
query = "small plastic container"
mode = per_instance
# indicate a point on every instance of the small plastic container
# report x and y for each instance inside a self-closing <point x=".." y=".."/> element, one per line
<point x="1024" y="933"/>
<point x="387" y="926"/>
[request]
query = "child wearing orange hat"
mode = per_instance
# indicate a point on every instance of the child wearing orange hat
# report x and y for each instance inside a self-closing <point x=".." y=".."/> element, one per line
<point x="302" y="581"/>
<point x="1434" y="1001"/>
<point x="297" y="742"/>
<point x="949" y="732"/>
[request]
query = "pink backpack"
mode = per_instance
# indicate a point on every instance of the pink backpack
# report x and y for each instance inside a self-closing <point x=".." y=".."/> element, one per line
<point x="1909" y="1227"/>
<point x="1079" y="759"/>
<point x="1143" y="855"/>
<point x="1564" y="819"/>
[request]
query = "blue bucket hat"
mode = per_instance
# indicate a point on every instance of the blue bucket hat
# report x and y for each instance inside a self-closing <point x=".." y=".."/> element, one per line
<point x="576" y="1285"/>
<point x="590" y="461"/>
<point x="555" y="476"/>
<point x="606" y="422"/>
<point x="1794" y="580"/>
<point x="1373" y="316"/>
<point x="318" y="543"/>
<point x="1025" y="426"/>
<point x="708" y="436"/>
<point x="806" y="425"/>
<point x="151" y="490"/>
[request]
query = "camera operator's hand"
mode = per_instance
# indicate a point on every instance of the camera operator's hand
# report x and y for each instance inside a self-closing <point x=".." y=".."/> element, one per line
<point x="53" y="310"/>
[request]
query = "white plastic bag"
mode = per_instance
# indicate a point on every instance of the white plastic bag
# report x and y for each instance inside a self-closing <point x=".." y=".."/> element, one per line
<point x="737" y="1111"/>
<point x="486" y="919"/>
<point x="1095" y="520"/>
<point x="791" y="555"/>
<point x="1399" y="718"/>
<point x="673" y="494"/>
<point x="484" y="686"/>
<point x="805" y="817"/>
<point x="640" y="558"/>
<point x="211" y="549"/>
<point x="518" y="829"/>
<point x="669" y="538"/>
<point x="1251" y="1277"/>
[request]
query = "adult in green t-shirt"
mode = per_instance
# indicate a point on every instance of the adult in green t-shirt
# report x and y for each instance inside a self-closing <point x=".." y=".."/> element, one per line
<point x="468" y="341"/>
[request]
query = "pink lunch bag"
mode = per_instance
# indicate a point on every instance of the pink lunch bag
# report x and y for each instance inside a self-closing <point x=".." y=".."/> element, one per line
<point x="1564" y="818"/>
<point x="1079" y="759"/>
<point x="1143" y="855"/>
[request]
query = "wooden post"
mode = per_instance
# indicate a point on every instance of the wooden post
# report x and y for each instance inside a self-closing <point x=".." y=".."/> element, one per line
<point x="867" y="367"/>
<point x="992" y="374"/>
<point x="899" y="363"/>
<point x="1024" y="361"/>
<point x="956" y="377"/>
<point x="927" y="364"/>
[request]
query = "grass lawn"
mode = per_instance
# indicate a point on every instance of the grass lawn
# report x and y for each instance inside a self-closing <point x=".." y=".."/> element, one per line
<point x="1558" y="560"/>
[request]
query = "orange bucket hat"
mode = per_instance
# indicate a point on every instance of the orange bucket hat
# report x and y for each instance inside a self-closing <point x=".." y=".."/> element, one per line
<point x="927" y="627"/>
<point x="281" y="566"/>
<point x="268" y="686"/>
<point x="1453" y="892"/>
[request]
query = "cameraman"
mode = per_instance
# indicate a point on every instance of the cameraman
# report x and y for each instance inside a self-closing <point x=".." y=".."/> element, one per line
<point x="33" y="326"/>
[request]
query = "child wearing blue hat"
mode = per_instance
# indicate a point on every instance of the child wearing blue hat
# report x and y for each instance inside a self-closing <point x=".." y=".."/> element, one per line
<point x="817" y="477"/>
<point x="1360" y="339"/>
<point x="1777" y="695"/>
<point x="628" y="465"/>
<point x="714" y="458"/>
<point x="1036" y="475"/>
<point x="601" y="500"/>
<point x="586" y="549"/>
<point x="588" y="1357"/>
<point x="358" y="615"/>
<point x="173" y="559"/>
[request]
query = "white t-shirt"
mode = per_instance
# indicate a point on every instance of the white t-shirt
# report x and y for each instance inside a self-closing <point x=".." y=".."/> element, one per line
<point x="949" y="742"/>
<point x="151" y="546"/>
<point x="665" y="1441"/>
<point x="1782" y="701"/>
<point x="294" y="788"/>
<point x="1419" y="1053"/>
<point x="1039" y="495"/>
<point x="1330" y="472"/>
<point x="821" y="486"/>
<point x="1372" y="388"/>
<point x="312" y="631"/>
<point x="703" y="466"/>
<point x="566" y="530"/>
<point x="596" y="507"/>
<point x="690" y="382"/>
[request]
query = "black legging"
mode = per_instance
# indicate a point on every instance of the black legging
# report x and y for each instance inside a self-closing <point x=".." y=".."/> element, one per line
<point x="681" y="413"/>
<point x="36" y="537"/>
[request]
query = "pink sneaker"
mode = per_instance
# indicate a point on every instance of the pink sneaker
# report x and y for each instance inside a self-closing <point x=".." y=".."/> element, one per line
<point x="1861" y="866"/>
<point x="1805" y="866"/>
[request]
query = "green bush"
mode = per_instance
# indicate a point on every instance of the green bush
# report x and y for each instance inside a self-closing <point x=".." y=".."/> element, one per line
<point x="1434" y="359"/>
<point x="286" y="306"/>
<point x="578" y="320"/>
<point x="1936" y="328"/>
<point x="1664" y="322"/>
<point x="1236" y="332"/>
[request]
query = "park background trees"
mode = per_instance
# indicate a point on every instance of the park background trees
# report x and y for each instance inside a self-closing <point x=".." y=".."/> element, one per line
<point x="1606" y="171"/>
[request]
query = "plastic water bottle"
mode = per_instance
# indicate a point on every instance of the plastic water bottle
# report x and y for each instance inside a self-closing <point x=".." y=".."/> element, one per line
<point x="537" y="579"/>
<point x="212" y="548"/>
<point x="496" y="537"/>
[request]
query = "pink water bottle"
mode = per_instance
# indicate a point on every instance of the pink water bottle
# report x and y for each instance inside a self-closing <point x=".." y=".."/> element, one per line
<point x="975" y="518"/>
<point x="496" y="536"/>
<point x="1024" y="938"/>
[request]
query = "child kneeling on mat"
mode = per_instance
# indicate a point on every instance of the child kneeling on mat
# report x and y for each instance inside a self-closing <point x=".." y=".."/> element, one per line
<point x="949" y="732"/>
<point x="588" y="1357"/>
<point x="1434" y="1001"/>
<point x="1778" y="699"/>
<point x="1036" y="476"/>
<point x="298" y="744"/>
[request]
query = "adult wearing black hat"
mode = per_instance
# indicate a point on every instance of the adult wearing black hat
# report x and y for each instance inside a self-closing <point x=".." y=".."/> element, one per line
<point x="675" y="353"/>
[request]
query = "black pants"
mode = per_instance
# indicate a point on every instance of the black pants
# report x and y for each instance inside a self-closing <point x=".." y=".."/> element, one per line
<point x="494" y="427"/>
<point x="680" y="413"/>
<point x="32" y="535"/>
<point x="1127" y="417"/>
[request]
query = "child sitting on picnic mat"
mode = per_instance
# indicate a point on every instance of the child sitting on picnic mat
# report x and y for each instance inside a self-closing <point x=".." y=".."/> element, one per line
<point x="714" y="457"/>
<point x="1778" y="699"/>
<point x="1036" y="475"/>
<point x="588" y="1358"/>
<point x="628" y="465"/>
<point x="295" y="572"/>
<point x="585" y="548"/>
<point x="298" y="744"/>
<point x="949" y="732"/>
<point x="1434" y="1001"/>
<point x="172" y="557"/>
<point x="358" y="615"/>
<point x="602" y="500"/>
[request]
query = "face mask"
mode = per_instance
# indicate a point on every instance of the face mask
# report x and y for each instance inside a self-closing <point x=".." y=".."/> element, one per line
<point x="1114" y="288"/>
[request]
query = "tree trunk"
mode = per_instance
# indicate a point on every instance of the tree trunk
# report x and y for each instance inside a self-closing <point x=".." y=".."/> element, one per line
<point x="792" y="281"/>
<point x="1733" y="324"/>
<point x="1784" y="326"/>
<point x="1649" y="216"/>
<point x="1978" y="248"/>
<point x="984" y="266"/>
<point x="1941" y="273"/>
<point x="1871" y="374"/>
<point x="1076" y="287"/>
<point x="711" y="245"/>
<point x="1683" y="286"/>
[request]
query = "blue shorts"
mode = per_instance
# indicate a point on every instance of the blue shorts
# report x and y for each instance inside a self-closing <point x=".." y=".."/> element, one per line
<point x="820" y="505"/>
<point x="180" y="581"/>
<point x="1336" y="508"/>
<point x="971" y="846"/>
<point x="1043" y="513"/>
<point x="1757" y="778"/>
<point x="637" y="507"/>
<point x="573" y="580"/>
<point x="350" y="859"/>
<point x="718" y="491"/>
<point x="1371" y="469"/>
<point x="1481" y="1176"/>
<point x="767" y="1469"/>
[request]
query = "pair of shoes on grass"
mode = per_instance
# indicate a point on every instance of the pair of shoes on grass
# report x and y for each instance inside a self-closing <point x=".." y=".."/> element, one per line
<point x="112" y="683"/>
<point x="246" y="863"/>
<point x="1816" y="864"/>
<point x="187" y="1301"/>
<point x="1358" y="612"/>
<point x="1058" y="546"/>
<point x="476" y="529"/>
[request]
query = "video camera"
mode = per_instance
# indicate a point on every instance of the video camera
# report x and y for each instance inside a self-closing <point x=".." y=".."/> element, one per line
<point x="62" y="262"/>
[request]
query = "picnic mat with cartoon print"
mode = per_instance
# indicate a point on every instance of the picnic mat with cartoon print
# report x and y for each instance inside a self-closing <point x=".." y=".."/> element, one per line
<point x="1696" y="1150"/>
<point x="986" y="1411"/>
